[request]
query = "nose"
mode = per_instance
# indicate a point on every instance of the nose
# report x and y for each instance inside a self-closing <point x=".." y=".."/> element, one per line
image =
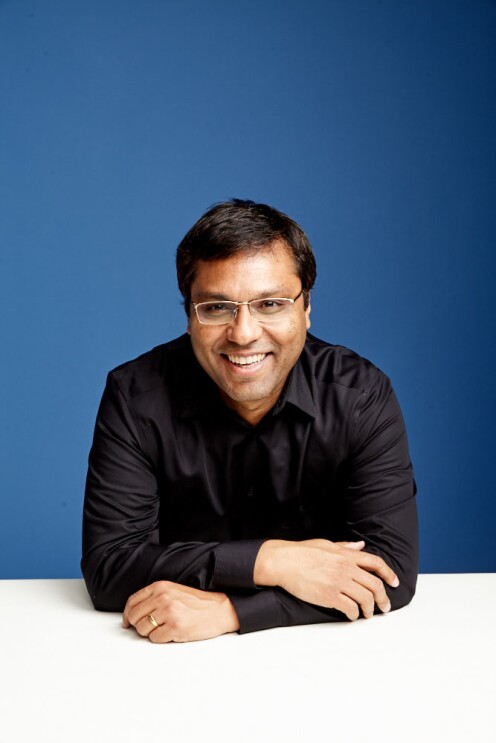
<point x="244" y="329"/>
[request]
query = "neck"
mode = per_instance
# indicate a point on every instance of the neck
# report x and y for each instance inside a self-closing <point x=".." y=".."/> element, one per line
<point x="252" y="412"/>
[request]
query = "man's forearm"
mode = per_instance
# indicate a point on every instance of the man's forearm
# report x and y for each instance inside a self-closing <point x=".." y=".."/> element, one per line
<point x="113" y="570"/>
<point x="340" y="576"/>
<point x="171" y="612"/>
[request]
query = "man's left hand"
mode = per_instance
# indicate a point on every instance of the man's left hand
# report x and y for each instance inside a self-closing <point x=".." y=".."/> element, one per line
<point x="182" y="613"/>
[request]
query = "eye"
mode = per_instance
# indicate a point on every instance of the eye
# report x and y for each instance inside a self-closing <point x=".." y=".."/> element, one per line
<point x="270" y="305"/>
<point x="213" y="308"/>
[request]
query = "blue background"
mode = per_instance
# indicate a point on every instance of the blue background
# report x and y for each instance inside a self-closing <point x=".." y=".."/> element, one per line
<point x="370" y="123"/>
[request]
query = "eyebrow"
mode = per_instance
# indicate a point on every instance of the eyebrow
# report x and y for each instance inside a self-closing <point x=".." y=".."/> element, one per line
<point x="216" y="296"/>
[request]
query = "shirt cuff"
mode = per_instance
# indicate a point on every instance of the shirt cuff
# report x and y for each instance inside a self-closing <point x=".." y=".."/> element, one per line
<point x="234" y="564"/>
<point x="259" y="611"/>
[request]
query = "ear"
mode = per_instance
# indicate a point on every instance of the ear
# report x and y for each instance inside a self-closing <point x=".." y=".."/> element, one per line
<point x="188" y="326"/>
<point x="307" y="313"/>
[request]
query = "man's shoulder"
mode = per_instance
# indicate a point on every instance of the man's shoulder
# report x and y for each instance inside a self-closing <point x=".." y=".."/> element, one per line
<point x="335" y="364"/>
<point x="153" y="369"/>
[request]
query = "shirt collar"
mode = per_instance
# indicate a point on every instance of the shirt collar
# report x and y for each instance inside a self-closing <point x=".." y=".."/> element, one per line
<point x="298" y="390"/>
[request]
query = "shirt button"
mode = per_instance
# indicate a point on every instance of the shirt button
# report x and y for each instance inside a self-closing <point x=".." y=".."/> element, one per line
<point x="250" y="492"/>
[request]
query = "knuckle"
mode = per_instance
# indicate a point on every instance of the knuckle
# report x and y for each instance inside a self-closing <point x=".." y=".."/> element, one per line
<point x="378" y="563"/>
<point x="156" y="637"/>
<point x="163" y="601"/>
<point x="174" y="625"/>
<point x="342" y="563"/>
<point x="377" y="585"/>
<point x="368" y="609"/>
<point x="173" y="616"/>
<point x="160" y="585"/>
<point x="167" y="597"/>
<point x="141" y="629"/>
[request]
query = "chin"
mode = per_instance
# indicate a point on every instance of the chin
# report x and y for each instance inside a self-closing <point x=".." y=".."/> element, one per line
<point x="247" y="395"/>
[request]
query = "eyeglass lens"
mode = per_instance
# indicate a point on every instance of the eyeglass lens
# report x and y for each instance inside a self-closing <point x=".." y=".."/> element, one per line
<point x="223" y="312"/>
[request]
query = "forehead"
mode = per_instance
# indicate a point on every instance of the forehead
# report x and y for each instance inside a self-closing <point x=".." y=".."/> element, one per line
<point x="270" y="270"/>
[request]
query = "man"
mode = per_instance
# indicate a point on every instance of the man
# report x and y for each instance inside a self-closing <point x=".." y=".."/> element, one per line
<point x="248" y="475"/>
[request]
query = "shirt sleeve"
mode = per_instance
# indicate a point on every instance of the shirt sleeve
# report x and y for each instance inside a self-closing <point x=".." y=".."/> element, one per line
<point x="377" y="504"/>
<point x="121" y="547"/>
<point x="378" y="501"/>
<point x="274" y="607"/>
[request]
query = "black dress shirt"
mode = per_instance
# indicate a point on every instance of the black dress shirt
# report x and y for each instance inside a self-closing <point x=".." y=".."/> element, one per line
<point x="181" y="488"/>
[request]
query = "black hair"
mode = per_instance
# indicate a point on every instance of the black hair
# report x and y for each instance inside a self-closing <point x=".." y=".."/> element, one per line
<point x="240" y="225"/>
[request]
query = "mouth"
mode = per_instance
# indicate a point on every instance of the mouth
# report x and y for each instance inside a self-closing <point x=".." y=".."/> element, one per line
<point x="255" y="358"/>
<point x="245" y="364"/>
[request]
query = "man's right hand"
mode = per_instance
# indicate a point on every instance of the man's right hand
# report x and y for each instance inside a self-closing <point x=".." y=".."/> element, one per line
<point x="337" y="575"/>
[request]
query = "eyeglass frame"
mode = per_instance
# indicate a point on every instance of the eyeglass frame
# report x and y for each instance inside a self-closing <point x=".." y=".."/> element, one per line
<point x="239" y="304"/>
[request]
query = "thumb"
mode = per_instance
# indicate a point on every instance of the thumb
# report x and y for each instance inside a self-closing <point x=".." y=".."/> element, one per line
<point x="354" y="545"/>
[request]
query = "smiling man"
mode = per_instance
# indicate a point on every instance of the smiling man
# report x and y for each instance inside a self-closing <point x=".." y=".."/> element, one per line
<point x="249" y="349"/>
<point x="248" y="475"/>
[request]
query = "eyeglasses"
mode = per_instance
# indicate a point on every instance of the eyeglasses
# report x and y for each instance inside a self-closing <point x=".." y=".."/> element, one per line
<point x="266" y="310"/>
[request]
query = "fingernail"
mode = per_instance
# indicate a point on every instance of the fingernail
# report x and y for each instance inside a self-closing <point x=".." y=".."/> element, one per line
<point x="395" y="582"/>
<point x="388" y="608"/>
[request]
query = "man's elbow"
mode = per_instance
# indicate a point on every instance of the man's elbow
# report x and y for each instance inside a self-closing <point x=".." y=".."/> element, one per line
<point x="104" y="595"/>
<point x="403" y="594"/>
<point x="105" y="601"/>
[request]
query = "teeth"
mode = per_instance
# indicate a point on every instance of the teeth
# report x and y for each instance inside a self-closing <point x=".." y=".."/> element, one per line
<point x="244" y="360"/>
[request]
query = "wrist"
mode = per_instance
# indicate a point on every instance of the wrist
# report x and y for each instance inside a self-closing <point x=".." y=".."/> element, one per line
<point x="231" y="621"/>
<point x="266" y="568"/>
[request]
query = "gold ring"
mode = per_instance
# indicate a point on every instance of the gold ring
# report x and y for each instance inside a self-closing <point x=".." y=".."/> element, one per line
<point x="152" y="620"/>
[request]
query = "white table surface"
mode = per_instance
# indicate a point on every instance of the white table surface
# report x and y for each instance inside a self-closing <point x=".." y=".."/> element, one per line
<point x="424" y="673"/>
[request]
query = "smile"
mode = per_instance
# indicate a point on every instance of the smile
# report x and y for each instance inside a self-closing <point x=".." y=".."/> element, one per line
<point x="246" y="360"/>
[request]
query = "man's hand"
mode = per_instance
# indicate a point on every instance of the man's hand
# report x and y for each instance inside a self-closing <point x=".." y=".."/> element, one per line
<point x="337" y="575"/>
<point x="182" y="613"/>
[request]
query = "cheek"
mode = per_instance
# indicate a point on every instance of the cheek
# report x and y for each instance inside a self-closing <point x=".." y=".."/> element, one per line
<point x="292" y="340"/>
<point x="203" y="340"/>
<point x="297" y="333"/>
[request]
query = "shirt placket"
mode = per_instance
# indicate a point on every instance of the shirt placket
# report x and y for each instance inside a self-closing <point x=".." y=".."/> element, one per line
<point x="249" y="512"/>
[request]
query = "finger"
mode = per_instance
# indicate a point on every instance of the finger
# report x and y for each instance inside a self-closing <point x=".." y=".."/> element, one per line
<point x="353" y="545"/>
<point x="362" y="597"/>
<point x="375" y="564"/>
<point x="140" y="595"/>
<point x="348" y="607"/>
<point x="376" y="587"/>
<point x="145" y="626"/>
<point x="134" y="601"/>
<point x="162" y="634"/>
<point x="136" y="613"/>
<point x="328" y="546"/>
